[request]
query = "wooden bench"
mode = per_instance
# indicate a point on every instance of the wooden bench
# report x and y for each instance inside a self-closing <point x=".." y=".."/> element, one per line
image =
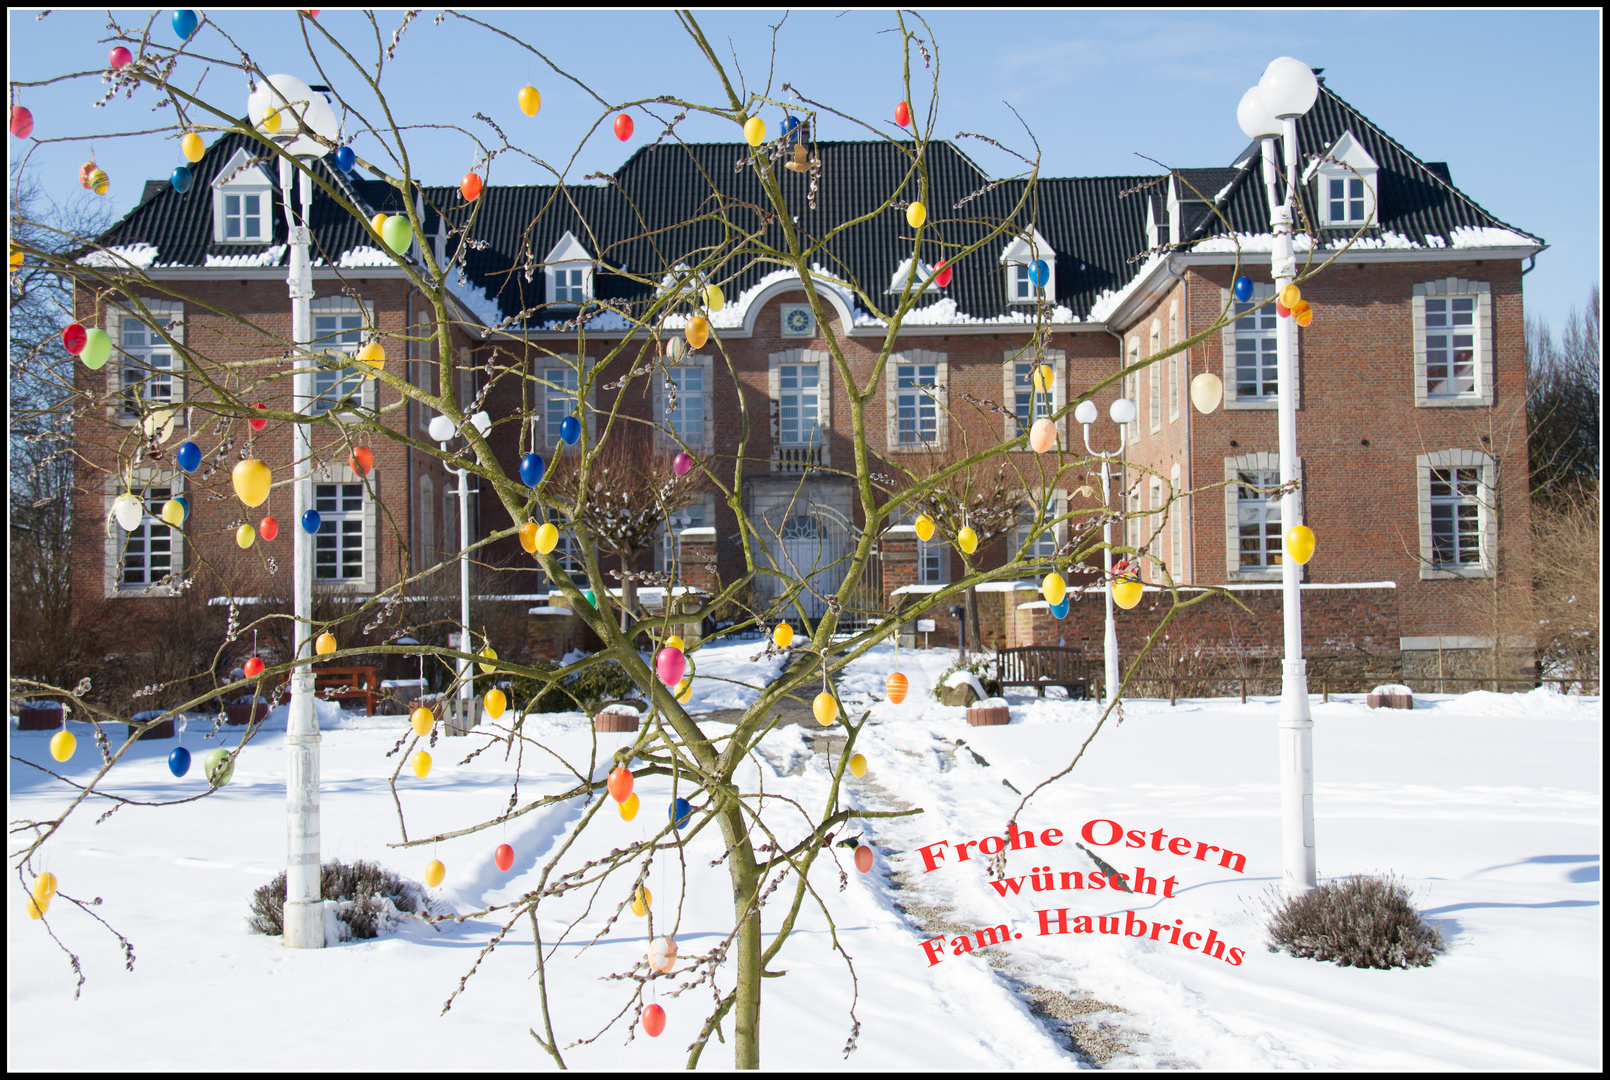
<point x="1041" y="666"/>
<point x="339" y="683"/>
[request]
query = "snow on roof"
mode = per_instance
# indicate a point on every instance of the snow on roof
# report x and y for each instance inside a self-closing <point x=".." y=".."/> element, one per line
<point x="1473" y="236"/>
<point x="1111" y="300"/>
<point x="363" y="256"/>
<point x="482" y="306"/>
<point x="141" y="256"/>
<point x="269" y="256"/>
<point x="946" y="313"/>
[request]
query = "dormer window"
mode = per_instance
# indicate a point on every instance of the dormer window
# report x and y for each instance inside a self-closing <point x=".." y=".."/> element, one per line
<point x="1346" y="189"/>
<point x="1019" y="259"/>
<point x="570" y="272"/>
<point x="243" y="201"/>
<point x="897" y="283"/>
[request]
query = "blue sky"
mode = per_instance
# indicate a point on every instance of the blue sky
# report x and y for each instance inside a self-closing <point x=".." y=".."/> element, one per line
<point x="1511" y="100"/>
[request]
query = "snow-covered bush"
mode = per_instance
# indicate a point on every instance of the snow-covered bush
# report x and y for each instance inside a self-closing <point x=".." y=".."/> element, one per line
<point x="371" y="897"/>
<point x="982" y="669"/>
<point x="1361" y="921"/>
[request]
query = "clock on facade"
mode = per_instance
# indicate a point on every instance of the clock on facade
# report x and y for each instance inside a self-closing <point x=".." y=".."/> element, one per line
<point x="798" y="320"/>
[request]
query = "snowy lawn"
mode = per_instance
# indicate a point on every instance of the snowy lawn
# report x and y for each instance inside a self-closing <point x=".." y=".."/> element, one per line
<point x="1487" y="805"/>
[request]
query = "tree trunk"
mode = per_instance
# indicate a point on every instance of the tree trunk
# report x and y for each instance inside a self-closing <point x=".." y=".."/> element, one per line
<point x="975" y="638"/>
<point x="745" y="874"/>
<point x="628" y="587"/>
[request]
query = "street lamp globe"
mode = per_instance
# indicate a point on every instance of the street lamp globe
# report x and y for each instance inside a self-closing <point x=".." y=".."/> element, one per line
<point x="1086" y="412"/>
<point x="298" y="105"/>
<point x="1288" y="88"/>
<point x="441" y="429"/>
<point x="1255" y="120"/>
<point x="1122" y="411"/>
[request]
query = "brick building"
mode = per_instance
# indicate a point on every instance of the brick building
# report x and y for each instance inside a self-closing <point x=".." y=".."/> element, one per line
<point x="1410" y="388"/>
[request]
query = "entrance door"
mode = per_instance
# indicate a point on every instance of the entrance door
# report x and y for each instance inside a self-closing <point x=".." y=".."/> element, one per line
<point x="804" y="554"/>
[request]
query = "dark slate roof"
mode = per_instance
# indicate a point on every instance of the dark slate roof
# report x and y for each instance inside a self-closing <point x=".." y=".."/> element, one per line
<point x="1416" y="199"/>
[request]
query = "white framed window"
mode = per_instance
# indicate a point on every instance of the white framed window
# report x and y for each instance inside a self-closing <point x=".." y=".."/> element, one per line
<point x="1156" y="526"/>
<point x="1029" y="404"/>
<point x="570" y="285"/>
<point x="428" y="552"/>
<point x="1043" y="547"/>
<point x="556" y="397"/>
<point x="1453" y="340"/>
<point x="338" y="546"/>
<point x="1022" y="285"/>
<point x="1019" y="255"/>
<point x="1254" y="538"/>
<point x="338" y="330"/>
<point x="1173" y="361"/>
<point x="149" y="372"/>
<point x="1131" y="384"/>
<point x="1134" y="520"/>
<point x="569" y="271"/>
<point x="1346" y="183"/>
<point x="916" y="400"/>
<point x="688" y="412"/>
<point x="1458" y="514"/>
<point x="800" y="388"/>
<point x="1256" y="366"/>
<point x="243" y="203"/>
<point x="1176" y="528"/>
<point x="798" y="400"/>
<point x="1154" y="396"/>
<point x="1345" y="195"/>
<point x="138" y="559"/>
<point x="932" y="563"/>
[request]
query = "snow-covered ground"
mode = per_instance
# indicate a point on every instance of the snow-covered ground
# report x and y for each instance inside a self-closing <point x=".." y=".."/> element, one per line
<point x="1487" y="805"/>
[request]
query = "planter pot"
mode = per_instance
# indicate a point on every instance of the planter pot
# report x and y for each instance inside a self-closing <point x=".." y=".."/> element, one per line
<point x="39" y="718"/>
<point x="989" y="717"/>
<point x="245" y="712"/>
<point x="164" y="730"/>
<point x="1390" y="701"/>
<point x="609" y="717"/>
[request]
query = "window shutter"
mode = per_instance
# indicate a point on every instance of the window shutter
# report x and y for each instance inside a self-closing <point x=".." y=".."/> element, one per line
<point x="891" y="401"/>
<point x="174" y="313"/>
<point x="824" y="400"/>
<point x="1485" y="367"/>
<point x="113" y="371"/>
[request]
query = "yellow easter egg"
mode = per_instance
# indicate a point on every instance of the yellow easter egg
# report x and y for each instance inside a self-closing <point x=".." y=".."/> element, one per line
<point x="916" y="214"/>
<point x="528" y="536"/>
<point x="379" y="221"/>
<point x="491" y="654"/>
<point x="628" y="808"/>
<point x="698" y="332"/>
<point x="925" y="528"/>
<point x="421" y="764"/>
<point x="783" y="636"/>
<point x="325" y="645"/>
<point x="271" y="121"/>
<point x="45" y="885"/>
<point x="825" y="708"/>
<point x="495" y="703"/>
<point x="38" y="907"/>
<point x="173" y="512"/>
<point x="1054" y="588"/>
<point x="755" y="131"/>
<point x="192" y="147"/>
<point x="1290" y="295"/>
<point x="245" y="535"/>
<point x="421" y="720"/>
<point x="547" y="537"/>
<point x="434" y="873"/>
<point x="967" y="540"/>
<point x="252" y="479"/>
<point x="714" y="298"/>
<point x="675" y="642"/>
<point x="1126" y="592"/>
<point x="642" y="900"/>
<point x="373" y="354"/>
<point x="858" y="765"/>
<point x="530" y="100"/>
<point x="684" y="691"/>
<point x="1300" y="544"/>
<point x="1044" y="376"/>
<point x="62" y="745"/>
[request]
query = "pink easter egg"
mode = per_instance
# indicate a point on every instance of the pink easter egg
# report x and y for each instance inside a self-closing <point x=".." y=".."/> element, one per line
<point x="671" y="664"/>
<point x="682" y="464"/>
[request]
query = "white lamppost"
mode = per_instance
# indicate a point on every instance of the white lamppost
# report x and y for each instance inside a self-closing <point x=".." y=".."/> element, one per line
<point x="442" y="429"/>
<point x="1122" y="413"/>
<point x="1270" y="109"/>
<point x="298" y="110"/>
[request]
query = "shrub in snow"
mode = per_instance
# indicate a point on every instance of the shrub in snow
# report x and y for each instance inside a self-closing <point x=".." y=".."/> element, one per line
<point x="606" y="681"/>
<point x="979" y="671"/>
<point x="371" y="899"/>
<point x="1359" y="921"/>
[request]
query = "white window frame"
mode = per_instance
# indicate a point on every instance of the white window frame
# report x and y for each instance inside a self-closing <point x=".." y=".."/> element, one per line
<point x="1266" y="461"/>
<point x="562" y="262"/>
<point x="1174" y="394"/>
<point x="342" y="307"/>
<point x="1132" y="520"/>
<point x="819" y="450"/>
<point x="116" y="544"/>
<point x="705" y="439"/>
<point x="245" y="181"/>
<point x="1234" y="333"/>
<point x="1011" y="373"/>
<point x="1131" y="385"/>
<point x="1349" y="163"/>
<point x="1154" y="396"/>
<point x="169" y="317"/>
<point x="917" y="397"/>
<point x="1155" y="498"/>
<point x="1486" y="508"/>
<point x="369" y="529"/>
<point x="1482" y="334"/>
<point x="427" y="552"/>
<point x="1176" y="525"/>
<point x="1018" y="255"/>
<point x="541" y="366"/>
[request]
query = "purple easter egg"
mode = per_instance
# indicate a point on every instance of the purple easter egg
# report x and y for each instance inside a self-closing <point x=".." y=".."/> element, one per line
<point x="682" y="464"/>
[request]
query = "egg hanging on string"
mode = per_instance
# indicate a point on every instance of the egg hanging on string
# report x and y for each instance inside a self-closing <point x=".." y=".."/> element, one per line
<point x="435" y="872"/>
<point x="345" y="159"/>
<point x="120" y="57"/>
<point x="916" y="214"/>
<point x="682" y="464"/>
<point x="311" y="522"/>
<point x="184" y="23"/>
<point x="653" y="1020"/>
<point x="858" y="765"/>
<point x="782" y="635"/>
<point x="967" y="540"/>
<point x="470" y="187"/>
<point x="530" y="99"/>
<point x="188" y="456"/>
<point x="268" y="528"/>
<point x="902" y="114"/>
<point x="421" y="720"/>
<point x="714" y="298"/>
<point x="245" y="536"/>
<point x="173" y="513"/>
<point x="942" y="274"/>
<point x="397" y="233"/>
<point x="623" y="127"/>
<point x="863" y="859"/>
<point x="662" y="954"/>
<point x="22" y="121"/>
<point x="528" y="537"/>
<point x="547" y="537"/>
<point x="99" y="182"/>
<point x="619" y="783"/>
<point x="490" y="654"/>
<point x="1207" y="390"/>
<point x="192" y="147"/>
<point x="698" y="332"/>
<point x="531" y="469"/>
<point x="754" y="131"/>
<point x="1054" y="588"/>
<point x="496" y="702"/>
<point x="362" y="460"/>
<point x="1043" y="435"/>
<point x="374" y="354"/>
<point x="325" y="645"/>
<point x="628" y="808"/>
<point x="671" y="664"/>
<point x="825" y="709"/>
<point x="642" y="901"/>
<point x="179" y="761"/>
<point x="62" y="745"/>
<point x="44" y="886"/>
<point x="1243" y="289"/>
<point x="256" y="423"/>
<point x="218" y="765"/>
<point x="129" y="511"/>
<point x="1126" y="591"/>
<point x="503" y="857"/>
<point x="679" y="812"/>
<point x="896" y="686"/>
<point x="1060" y="611"/>
<point x="252" y="479"/>
<point x="925" y="528"/>
<point x="1300" y="544"/>
<point x="422" y="765"/>
<point x="252" y="668"/>
<point x="180" y="178"/>
<point x="569" y="430"/>
<point x="73" y="338"/>
<point x="97" y="349"/>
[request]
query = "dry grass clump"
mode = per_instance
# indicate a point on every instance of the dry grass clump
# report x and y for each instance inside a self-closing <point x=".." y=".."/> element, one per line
<point x="371" y="895"/>
<point x="1361" y="921"/>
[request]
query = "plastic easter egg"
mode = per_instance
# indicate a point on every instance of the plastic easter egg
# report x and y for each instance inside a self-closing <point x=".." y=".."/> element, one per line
<point x="783" y="635"/>
<point x="421" y="720"/>
<point x="470" y="186"/>
<point x="531" y="469"/>
<point x="325" y="645"/>
<point x="1243" y="289"/>
<point x="22" y="121"/>
<point x="1043" y="435"/>
<point x="528" y="537"/>
<point x="378" y="222"/>
<point x="491" y="654"/>
<point x="569" y="430"/>
<point x="496" y="702"/>
<point x="218" y="765"/>
<point x="272" y="121"/>
<point x="311" y="522"/>
<point x="916" y="214"/>
<point x="173" y="513"/>
<point x="435" y="872"/>
<point x="1126" y="592"/>
<point x="619" y="783"/>
<point x="258" y="424"/>
<point x="1045" y="376"/>
<point x="754" y="131"/>
<point x="374" y="354"/>
<point x="504" y="857"/>
<point x="184" y="505"/>
<point x="121" y="58"/>
<point x="421" y="764"/>
<point x="179" y="761"/>
<point x="362" y="460"/>
<point x="825" y="709"/>
<point x="44" y="886"/>
<point x="682" y="464"/>
<point x="925" y="528"/>
<point x="714" y="298"/>
<point x="589" y="597"/>
<point x="85" y="171"/>
<point x="896" y="686"/>
<point x="184" y="23"/>
<point x="73" y="338"/>
<point x="653" y="1020"/>
<point x="245" y="536"/>
<point x="397" y="234"/>
<point x="684" y="691"/>
<point x="679" y="812"/>
<point x="1207" y="390"/>
<point x="268" y="528"/>
<point x="252" y="668"/>
<point x="1290" y="295"/>
<point x="547" y="537"/>
<point x="188" y="456"/>
<point x="129" y="511"/>
<point x="1282" y="310"/>
<point x="97" y="349"/>
<point x="967" y="540"/>
<point x="1054" y="588"/>
<point x="345" y="159"/>
<point x="99" y="182"/>
<point x="530" y="100"/>
<point x="671" y="664"/>
<point x="642" y="900"/>
<point x="942" y="274"/>
<point x="1300" y="544"/>
<point x="863" y="859"/>
<point x="790" y="127"/>
<point x="252" y="479"/>
<point x="62" y="745"/>
<point x="858" y="765"/>
<point x="698" y="332"/>
<point x="628" y="808"/>
<point x="180" y="178"/>
<point x="623" y="127"/>
<point x="38" y="907"/>
<point x="902" y="114"/>
<point x="1060" y="611"/>
<point x="675" y="642"/>
<point x="1303" y="313"/>
<point x="1039" y="273"/>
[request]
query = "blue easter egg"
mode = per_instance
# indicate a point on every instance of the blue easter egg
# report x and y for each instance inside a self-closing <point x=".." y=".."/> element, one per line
<point x="179" y="761"/>
<point x="790" y="128"/>
<point x="345" y="159"/>
<point x="679" y="812"/>
<point x="531" y="469"/>
<point x="189" y="456"/>
<point x="311" y="522"/>
<point x="570" y="430"/>
<point x="185" y="503"/>
<point x="1060" y="611"/>
<point x="181" y="179"/>
<point x="1243" y="289"/>
<point x="1039" y="273"/>
<point x="184" y="23"/>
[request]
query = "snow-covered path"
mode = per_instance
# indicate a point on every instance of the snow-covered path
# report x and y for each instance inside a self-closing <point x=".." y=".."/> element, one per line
<point x="1487" y="805"/>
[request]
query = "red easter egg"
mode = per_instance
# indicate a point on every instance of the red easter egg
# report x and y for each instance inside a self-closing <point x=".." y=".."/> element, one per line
<point x="73" y="339"/>
<point x="268" y="528"/>
<point x="863" y="859"/>
<point x="85" y="171"/>
<point x="620" y="784"/>
<point x="902" y="114"/>
<point x="942" y="274"/>
<point x="470" y="186"/>
<point x="896" y="685"/>
<point x="121" y="57"/>
<point x="258" y="425"/>
<point x="1282" y="310"/>
<point x="653" y="1020"/>
<point x="22" y="121"/>
<point x="253" y="668"/>
<point x="363" y="459"/>
<point x="504" y="857"/>
<point x="623" y="127"/>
